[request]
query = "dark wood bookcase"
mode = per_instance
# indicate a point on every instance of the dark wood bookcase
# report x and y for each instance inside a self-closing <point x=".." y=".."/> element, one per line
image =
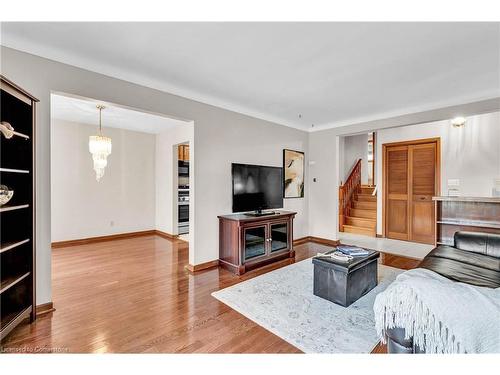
<point x="17" y="217"/>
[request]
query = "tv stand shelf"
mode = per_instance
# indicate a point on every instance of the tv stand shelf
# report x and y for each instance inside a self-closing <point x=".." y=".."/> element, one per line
<point x="247" y="241"/>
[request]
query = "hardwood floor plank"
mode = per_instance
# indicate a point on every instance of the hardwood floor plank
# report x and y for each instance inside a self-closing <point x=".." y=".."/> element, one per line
<point x="135" y="296"/>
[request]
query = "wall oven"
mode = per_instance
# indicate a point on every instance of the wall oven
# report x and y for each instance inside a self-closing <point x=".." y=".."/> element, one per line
<point x="183" y="168"/>
<point x="183" y="211"/>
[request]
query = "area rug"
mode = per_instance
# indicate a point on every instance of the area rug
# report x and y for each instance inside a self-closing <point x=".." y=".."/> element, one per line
<point x="282" y="302"/>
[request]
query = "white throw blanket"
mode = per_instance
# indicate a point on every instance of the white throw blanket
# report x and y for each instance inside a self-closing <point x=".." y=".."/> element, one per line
<point x="441" y="315"/>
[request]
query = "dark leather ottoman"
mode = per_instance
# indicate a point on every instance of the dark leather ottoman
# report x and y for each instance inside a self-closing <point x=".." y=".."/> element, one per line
<point x="345" y="282"/>
<point x="474" y="259"/>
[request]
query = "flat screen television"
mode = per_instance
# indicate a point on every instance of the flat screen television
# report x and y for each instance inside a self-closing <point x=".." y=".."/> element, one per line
<point x="256" y="187"/>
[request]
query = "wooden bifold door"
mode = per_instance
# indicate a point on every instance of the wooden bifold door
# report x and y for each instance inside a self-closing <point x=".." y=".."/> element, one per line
<point x="411" y="178"/>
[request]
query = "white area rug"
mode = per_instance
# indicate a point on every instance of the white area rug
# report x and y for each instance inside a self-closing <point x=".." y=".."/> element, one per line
<point x="282" y="301"/>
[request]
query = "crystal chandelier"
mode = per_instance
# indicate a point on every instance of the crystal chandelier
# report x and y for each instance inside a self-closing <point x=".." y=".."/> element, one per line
<point x="100" y="148"/>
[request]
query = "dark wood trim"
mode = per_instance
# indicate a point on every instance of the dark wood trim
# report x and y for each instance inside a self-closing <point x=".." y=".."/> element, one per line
<point x="84" y="241"/>
<point x="379" y="236"/>
<point x="324" y="241"/>
<point x="45" y="308"/>
<point x="169" y="236"/>
<point x="301" y="240"/>
<point x="203" y="266"/>
<point x="319" y="240"/>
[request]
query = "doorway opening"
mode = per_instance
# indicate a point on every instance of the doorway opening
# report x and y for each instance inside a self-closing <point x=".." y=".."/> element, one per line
<point x="357" y="192"/>
<point x="182" y="195"/>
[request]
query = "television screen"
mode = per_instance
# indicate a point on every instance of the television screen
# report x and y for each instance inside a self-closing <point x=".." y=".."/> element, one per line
<point x="256" y="187"/>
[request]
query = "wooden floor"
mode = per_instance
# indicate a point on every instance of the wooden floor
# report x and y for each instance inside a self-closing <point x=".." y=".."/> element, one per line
<point x="134" y="295"/>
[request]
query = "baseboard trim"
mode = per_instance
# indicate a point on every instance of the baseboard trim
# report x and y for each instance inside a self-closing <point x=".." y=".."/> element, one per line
<point x="111" y="237"/>
<point x="318" y="240"/>
<point x="300" y="241"/>
<point x="202" y="266"/>
<point x="84" y="241"/>
<point x="169" y="236"/>
<point x="45" y="308"/>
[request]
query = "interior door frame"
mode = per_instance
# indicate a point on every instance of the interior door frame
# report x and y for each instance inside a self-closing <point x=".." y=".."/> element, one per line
<point x="436" y="140"/>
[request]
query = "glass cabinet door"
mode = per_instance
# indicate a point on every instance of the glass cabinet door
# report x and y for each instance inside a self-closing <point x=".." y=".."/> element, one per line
<point x="254" y="242"/>
<point x="279" y="236"/>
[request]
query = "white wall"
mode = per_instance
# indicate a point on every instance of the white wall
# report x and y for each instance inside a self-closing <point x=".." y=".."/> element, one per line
<point x="239" y="140"/>
<point x="166" y="172"/>
<point x="122" y="201"/>
<point x="220" y="137"/>
<point x="355" y="147"/>
<point x="470" y="154"/>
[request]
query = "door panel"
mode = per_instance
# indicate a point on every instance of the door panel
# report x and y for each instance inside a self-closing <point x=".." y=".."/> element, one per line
<point x="397" y="212"/>
<point x="254" y="242"/>
<point x="423" y="188"/>
<point x="411" y="182"/>
<point x="279" y="236"/>
<point x="397" y="192"/>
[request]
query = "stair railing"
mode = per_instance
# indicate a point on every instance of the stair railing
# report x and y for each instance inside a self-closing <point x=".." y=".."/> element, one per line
<point x="348" y="192"/>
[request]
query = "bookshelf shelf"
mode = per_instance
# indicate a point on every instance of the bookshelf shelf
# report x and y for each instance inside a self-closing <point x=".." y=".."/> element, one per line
<point x="17" y="224"/>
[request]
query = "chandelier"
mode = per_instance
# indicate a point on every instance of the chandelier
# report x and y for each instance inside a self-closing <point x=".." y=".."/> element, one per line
<point x="100" y="148"/>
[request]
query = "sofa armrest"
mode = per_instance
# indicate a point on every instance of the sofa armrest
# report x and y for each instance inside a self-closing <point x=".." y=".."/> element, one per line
<point x="477" y="242"/>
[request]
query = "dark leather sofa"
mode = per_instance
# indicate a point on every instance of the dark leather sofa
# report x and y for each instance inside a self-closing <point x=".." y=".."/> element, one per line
<point x="474" y="259"/>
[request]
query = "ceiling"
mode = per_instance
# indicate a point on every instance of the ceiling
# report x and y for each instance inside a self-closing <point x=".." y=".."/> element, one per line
<point x="296" y="74"/>
<point x="84" y="111"/>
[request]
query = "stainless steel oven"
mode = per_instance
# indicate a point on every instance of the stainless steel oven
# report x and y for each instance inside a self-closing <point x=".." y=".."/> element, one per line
<point x="183" y="210"/>
<point x="183" y="213"/>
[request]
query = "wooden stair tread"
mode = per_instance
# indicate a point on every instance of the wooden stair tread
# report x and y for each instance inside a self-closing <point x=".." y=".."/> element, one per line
<point x="360" y="230"/>
<point x="365" y="204"/>
<point x="362" y="218"/>
<point x="366" y="198"/>
<point x="363" y="213"/>
<point x="361" y="222"/>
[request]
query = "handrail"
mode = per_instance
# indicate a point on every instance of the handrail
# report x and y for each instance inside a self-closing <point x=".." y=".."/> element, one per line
<point x="347" y="192"/>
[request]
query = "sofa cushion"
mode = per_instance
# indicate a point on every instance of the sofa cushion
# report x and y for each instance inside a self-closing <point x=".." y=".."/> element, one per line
<point x="483" y="243"/>
<point x="462" y="272"/>
<point x="480" y="260"/>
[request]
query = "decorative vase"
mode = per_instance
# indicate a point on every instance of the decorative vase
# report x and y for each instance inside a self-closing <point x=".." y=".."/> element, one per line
<point x="5" y="194"/>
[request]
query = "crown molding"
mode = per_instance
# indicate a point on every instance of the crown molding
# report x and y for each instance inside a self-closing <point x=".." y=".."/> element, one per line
<point x="27" y="46"/>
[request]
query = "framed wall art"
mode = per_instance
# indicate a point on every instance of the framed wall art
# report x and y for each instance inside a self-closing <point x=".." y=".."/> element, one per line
<point x="293" y="172"/>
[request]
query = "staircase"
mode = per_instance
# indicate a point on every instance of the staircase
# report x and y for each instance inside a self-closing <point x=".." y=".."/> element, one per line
<point x="362" y="215"/>
<point x="357" y="205"/>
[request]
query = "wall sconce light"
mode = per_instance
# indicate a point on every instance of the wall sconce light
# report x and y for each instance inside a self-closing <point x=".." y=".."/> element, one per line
<point x="458" y="122"/>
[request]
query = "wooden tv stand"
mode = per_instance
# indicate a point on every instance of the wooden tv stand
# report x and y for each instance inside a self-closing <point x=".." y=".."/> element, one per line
<point x="248" y="242"/>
